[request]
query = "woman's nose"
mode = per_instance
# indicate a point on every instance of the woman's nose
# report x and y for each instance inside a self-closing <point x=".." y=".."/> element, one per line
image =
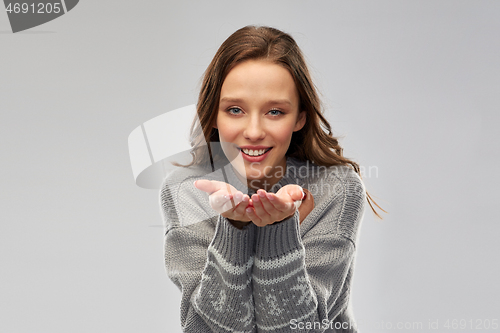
<point x="254" y="130"/>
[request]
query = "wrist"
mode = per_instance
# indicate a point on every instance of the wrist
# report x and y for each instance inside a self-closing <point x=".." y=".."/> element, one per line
<point x="286" y="218"/>
<point x="238" y="224"/>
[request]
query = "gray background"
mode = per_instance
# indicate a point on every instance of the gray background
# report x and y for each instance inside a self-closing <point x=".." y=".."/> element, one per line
<point x="412" y="86"/>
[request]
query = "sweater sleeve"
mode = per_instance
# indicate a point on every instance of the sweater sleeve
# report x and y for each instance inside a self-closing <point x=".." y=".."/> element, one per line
<point x="304" y="283"/>
<point x="212" y="268"/>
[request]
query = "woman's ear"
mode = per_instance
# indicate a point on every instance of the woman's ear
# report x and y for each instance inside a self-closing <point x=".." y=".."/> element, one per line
<point x="301" y="121"/>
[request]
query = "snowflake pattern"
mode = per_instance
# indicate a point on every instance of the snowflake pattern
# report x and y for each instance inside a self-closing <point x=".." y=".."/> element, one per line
<point x="303" y="287"/>
<point x="272" y="302"/>
<point x="219" y="303"/>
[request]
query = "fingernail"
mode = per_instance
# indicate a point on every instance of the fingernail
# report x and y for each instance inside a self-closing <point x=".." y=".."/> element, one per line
<point x="195" y="183"/>
<point x="271" y="197"/>
<point x="262" y="194"/>
<point x="248" y="210"/>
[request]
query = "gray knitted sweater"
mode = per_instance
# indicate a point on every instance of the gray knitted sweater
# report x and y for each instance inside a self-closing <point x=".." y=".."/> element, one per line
<point x="284" y="277"/>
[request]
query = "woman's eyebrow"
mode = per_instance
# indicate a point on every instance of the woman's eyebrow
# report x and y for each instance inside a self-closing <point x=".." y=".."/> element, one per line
<point x="239" y="100"/>
<point x="231" y="100"/>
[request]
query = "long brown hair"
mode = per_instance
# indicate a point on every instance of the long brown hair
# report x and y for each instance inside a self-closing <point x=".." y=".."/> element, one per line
<point x="314" y="142"/>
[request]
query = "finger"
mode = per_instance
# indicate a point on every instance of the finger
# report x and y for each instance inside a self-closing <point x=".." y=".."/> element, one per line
<point x="231" y="197"/>
<point x="206" y="186"/>
<point x="212" y="186"/>
<point x="229" y="205"/>
<point x="259" y="208"/>
<point x="296" y="193"/>
<point x="242" y="206"/>
<point x="278" y="202"/>
<point x="305" y="197"/>
<point x="309" y="197"/>
<point x="220" y="202"/>
<point x="267" y="204"/>
<point x="297" y="204"/>
<point x="238" y="197"/>
<point x="255" y="219"/>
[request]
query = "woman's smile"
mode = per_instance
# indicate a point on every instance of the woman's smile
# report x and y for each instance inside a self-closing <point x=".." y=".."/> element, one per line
<point x="255" y="153"/>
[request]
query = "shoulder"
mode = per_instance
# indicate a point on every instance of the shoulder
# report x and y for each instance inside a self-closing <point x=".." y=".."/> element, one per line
<point x="179" y="175"/>
<point x="182" y="204"/>
<point x="174" y="181"/>
<point x="353" y="194"/>
<point x="328" y="181"/>
<point x="339" y="197"/>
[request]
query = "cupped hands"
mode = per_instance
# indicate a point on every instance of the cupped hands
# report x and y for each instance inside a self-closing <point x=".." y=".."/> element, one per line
<point x="262" y="208"/>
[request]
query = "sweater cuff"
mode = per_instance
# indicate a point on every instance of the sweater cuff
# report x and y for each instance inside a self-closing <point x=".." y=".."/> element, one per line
<point x="277" y="239"/>
<point x="236" y="245"/>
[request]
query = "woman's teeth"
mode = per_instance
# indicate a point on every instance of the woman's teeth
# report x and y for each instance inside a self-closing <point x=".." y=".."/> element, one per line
<point x="254" y="152"/>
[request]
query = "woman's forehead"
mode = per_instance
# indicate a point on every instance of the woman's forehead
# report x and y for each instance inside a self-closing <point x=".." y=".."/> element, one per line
<point x="259" y="79"/>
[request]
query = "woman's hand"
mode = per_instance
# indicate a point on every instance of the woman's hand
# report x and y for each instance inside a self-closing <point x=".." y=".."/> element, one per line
<point x="263" y="209"/>
<point x="269" y="207"/>
<point x="226" y="200"/>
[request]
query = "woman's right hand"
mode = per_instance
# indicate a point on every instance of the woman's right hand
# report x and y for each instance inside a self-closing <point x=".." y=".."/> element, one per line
<point x="225" y="199"/>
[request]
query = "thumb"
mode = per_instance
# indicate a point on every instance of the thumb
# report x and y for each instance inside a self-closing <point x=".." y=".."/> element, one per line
<point x="206" y="186"/>
<point x="296" y="193"/>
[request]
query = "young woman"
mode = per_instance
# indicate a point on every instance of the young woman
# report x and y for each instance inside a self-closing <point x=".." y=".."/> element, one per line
<point x="267" y="242"/>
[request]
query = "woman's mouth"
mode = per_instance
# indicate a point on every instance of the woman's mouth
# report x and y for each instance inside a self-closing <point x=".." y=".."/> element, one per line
<point x="255" y="152"/>
<point x="254" y="155"/>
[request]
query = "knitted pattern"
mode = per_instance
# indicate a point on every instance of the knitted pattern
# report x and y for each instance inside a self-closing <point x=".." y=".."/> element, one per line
<point x="284" y="277"/>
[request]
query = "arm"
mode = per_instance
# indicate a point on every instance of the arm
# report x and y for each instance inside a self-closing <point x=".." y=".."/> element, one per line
<point x="212" y="268"/>
<point x="307" y="280"/>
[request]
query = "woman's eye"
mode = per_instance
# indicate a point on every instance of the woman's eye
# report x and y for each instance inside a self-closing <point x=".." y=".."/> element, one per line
<point x="275" y="112"/>
<point x="234" y="110"/>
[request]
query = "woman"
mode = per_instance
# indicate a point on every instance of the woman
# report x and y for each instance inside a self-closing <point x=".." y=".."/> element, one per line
<point x="272" y="248"/>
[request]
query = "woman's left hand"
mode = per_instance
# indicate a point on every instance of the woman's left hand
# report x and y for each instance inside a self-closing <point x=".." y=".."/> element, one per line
<point x="269" y="207"/>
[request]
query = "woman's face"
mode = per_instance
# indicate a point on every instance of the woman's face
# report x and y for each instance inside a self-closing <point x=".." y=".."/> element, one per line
<point x="258" y="112"/>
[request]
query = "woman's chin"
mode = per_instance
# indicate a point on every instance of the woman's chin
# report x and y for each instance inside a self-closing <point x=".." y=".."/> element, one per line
<point x="251" y="178"/>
